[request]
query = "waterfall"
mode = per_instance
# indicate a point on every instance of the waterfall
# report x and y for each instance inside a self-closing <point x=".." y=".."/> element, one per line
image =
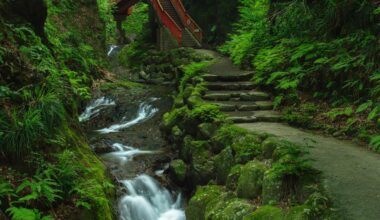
<point x="145" y="112"/>
<point x="95" y="107"/>
<point x="147" y="200"/>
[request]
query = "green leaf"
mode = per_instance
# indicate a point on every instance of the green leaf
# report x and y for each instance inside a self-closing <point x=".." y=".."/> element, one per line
<point x="374" y="113"/>
<point x="22" y="213"/>
<point x="364" y="106"/>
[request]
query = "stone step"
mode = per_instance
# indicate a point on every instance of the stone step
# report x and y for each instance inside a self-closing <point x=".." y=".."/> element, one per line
<point x="254" y="116"/>
<point x="244" y="76"/>
<point x="240" y="85"/>
<point x="240" y="95"/>
<point x="229" y="106"/>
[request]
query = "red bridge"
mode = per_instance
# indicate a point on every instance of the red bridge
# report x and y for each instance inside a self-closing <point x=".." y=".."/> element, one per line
<point x="176" y="27"/>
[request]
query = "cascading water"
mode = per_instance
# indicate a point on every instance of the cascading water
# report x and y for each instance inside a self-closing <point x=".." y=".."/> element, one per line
<point x="145" y="112"/>
<point x="95" y="107"/>
<point x="145" y="199"/>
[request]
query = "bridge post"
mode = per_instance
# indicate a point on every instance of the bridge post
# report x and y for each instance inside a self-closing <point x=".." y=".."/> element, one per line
<point x="119" y="26"/>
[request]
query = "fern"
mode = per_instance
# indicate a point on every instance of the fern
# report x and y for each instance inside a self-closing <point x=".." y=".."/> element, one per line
<point x="42" y="188"/>
<point x="375" y="142"/>
<point x="26" y="214"/>
<point x="6" y="189"/>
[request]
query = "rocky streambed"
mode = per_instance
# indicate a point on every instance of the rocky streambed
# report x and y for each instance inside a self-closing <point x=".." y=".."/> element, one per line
<point x="123" y="127"/>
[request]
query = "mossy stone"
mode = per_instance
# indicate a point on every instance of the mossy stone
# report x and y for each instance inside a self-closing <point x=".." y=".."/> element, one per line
<point x="246" y="148"/>
<point x="268" y="147"/>
<point x="266" y="213"/>
<point x="177" y="134"/>
<point x="178" y="168"/>
<point x="231" y="209"/>
<point x="198" y="203"/>
<point x="224" y="161"/>
<point x="271" y="188"/>
<point x="250" y="182"/>
<point x="206" y="130"/>
<point x="233" y="177"/>
<point x="202" y="166"/>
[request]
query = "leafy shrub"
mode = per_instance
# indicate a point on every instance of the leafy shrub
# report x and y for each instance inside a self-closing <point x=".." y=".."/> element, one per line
<point x="27" y="214"/>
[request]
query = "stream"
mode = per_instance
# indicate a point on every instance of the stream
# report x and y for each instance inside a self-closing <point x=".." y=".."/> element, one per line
<point x="123" y="129"/>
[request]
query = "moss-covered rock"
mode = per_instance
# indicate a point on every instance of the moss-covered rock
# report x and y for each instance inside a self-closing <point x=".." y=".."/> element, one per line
<point x="246" y="148"/>
<point x="178" y="170"/>
<point x="268" y="147"/>
<point x="250" y="182"/>
<point x="202" y="166"/>
<point x="174" y="117"/>
<point x="233" y="177"/>
<point x="223" y="162"/>
<point x="203" y="196"/>
<point x="271" y="188"/>
<point x="266" y="213"/>
<point x="176" y="135"/>
<point x="206" y="130"/>
<point x="231" y="209"/>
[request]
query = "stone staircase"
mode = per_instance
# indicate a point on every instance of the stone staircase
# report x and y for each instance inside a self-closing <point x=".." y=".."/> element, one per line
<point x="236" y="96"/>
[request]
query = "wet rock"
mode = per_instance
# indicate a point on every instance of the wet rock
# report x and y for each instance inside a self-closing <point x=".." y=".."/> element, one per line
<point x="103" y="148"/>
<point x="233" y="177"/>
<point x="143" y="75"/>
<point x="178" y="171"/>
<point x="250" y="182"/>
<point x="266" y="212"/>
<point x="224" y="161"/>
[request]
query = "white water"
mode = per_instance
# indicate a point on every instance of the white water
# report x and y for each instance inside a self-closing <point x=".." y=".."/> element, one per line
<point x="147" y="200"/>
<point x="111" y="50"/>
<point x="95" y="107"/>
<point x="124" y="154"/>
<point x="145" y="112"/>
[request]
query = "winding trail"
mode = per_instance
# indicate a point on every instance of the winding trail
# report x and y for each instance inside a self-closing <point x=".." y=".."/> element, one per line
<point x="351" y="173"/>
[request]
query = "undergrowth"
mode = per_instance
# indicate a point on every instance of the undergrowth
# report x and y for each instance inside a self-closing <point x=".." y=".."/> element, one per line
<point x="330" y="53"/>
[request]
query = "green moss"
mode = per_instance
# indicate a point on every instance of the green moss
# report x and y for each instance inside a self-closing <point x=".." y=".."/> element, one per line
<point x="179" y="170"/>
<point x="207" y="113"/>
<point x="198" y="203"/>
<point x="266" y="213"/>
<point x="174" y="117"/>
<point x="119" y="84"/>
<point x="250" y="182"/>
<point x="96" y="187"/>
<point x="228" y="134"/>
<point x="297" y="213"/>
<point x="268" y="147"/>
<point x="206" y="130"/>
<point x="233" y="177"/>
<point x="202" y="167"/>
<point x="223" y="163"/>
<point x="234" y="209"/>
<point x="246" y="148"/>
<point x="271" y="188"/>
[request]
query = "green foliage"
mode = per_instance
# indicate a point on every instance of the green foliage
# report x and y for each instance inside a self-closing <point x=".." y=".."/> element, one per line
<point x="6" y="189"/>
<point x="207" y="113"/>
<point x="42" y="188"/>
<point x="105" y="8"/>
<point x="27" y="214"/>
<point x="137" y="21"/>
<point x="329" y="53"/>
<point x="191" y="71"/>
<point x="336" y="113"/>
<point x="375" y="142"/>
<point x="251" y="31"/>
